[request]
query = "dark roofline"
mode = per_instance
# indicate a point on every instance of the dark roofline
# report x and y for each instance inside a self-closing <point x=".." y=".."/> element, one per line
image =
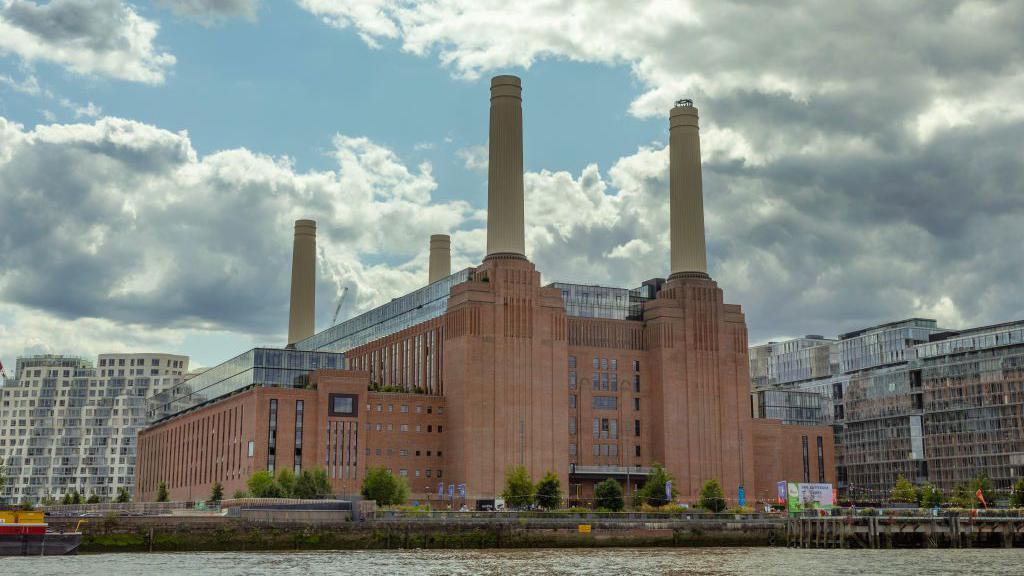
<point x="861" y="331"/>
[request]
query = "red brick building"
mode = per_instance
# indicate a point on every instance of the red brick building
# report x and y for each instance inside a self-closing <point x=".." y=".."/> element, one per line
<point x="509" y="372"/>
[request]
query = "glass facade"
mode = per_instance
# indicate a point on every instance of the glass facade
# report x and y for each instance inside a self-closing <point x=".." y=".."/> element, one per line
<point x="269" y="367"/>
<point x="414" y="308"/>
<point x="604" y="302"/>
<point x="792" y="407"/>
<point x="910" y="399"/>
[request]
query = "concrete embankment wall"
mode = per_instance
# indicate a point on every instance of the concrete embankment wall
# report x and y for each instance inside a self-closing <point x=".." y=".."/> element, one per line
<point x="164" y="533"/>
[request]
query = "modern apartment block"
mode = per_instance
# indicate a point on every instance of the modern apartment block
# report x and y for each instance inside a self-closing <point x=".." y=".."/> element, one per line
<point x="68" y="424"/>
<point x="487" y="368"/>
<point x="906" y="398"/>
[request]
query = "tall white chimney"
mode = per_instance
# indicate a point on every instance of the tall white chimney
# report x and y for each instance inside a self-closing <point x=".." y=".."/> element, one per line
<point x="440" y="257"/>
<point x="303" y="298"/>
<point x="505" y="233"/>
<point x="686" y="195"/>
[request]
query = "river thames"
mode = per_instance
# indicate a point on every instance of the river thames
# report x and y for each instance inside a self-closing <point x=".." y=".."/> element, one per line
<point x="602" y="561"/>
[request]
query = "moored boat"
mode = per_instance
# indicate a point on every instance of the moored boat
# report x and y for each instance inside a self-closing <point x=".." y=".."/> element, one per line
<point x="27" y="534"/>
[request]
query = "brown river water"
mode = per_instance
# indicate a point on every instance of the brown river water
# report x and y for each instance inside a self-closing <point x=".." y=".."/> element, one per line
<point x="603" y="561"/>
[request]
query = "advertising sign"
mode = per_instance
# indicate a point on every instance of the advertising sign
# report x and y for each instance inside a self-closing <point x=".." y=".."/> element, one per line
<point x="781" y="492"/>
<point x="807" y="496"/>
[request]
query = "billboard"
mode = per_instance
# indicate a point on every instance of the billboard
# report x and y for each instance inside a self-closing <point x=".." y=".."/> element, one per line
<point x="807" y="496"/>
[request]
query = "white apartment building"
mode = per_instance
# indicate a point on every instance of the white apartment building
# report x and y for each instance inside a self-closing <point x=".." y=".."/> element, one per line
<point x="67" y="424"/>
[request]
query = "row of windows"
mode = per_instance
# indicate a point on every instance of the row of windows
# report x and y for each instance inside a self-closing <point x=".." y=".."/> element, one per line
<point x="380" y="427"/>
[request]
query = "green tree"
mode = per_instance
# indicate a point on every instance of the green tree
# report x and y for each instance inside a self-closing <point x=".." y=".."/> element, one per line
<point x="240" y="494"/>
<point x="903" y="491"/>
<point x="931" y="496"/>
<point x="652" y="492"/>
<point x="1017" y="496"/>
<point x="71" y="497"/>
<point x="313" y="484"/>
<point x="48" y="500"/>
<point x="984" y="483"/>
<point x="216" y="492"/>
<point x="384" y="487"/>
<point x="961" y="497"/>
<point x="712" y="497"/>
<point x="262" y="485"/>
<point x="94" y="499"/>
<point x="549" y="492"/>
<point x="286" y="482"/>
<point x="518" y="492"/>
<point x="608" y="495"/>
<point x="161" y="492"/>
<point x="123" y="496"/>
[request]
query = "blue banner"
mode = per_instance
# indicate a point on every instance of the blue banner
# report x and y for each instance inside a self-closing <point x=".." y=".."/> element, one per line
<point x="668" y="491"/>
<point x="462" y="491"/>
<point x="743" y="497"/>
<point x="440" y="489"/>
<point x="451" y="491"/>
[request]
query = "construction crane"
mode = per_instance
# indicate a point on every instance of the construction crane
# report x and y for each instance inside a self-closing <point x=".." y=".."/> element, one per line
<point x="337" y="309"/>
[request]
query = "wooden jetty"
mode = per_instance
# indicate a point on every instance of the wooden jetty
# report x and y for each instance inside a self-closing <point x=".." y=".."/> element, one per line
<point x="952" y="531"/>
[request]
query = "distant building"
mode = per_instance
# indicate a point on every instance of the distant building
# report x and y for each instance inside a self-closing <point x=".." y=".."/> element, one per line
<point x="907" y="398"/>
<point x="66" y="424"/>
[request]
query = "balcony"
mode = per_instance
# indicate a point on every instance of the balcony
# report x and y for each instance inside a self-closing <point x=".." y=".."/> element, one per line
<point x="602" y="472"/>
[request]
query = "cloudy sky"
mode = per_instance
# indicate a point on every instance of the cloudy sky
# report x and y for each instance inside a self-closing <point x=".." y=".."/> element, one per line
<point x="863" y="162"/>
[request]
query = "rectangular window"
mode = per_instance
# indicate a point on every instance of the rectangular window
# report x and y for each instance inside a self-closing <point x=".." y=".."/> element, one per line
<point x="572" y="362"/>
<point x="572" y="401"/>
<point x="636" y="427"/>
<point x="636" y="365"/>
<point x="572" y="380"/>
<point x="344" y="404"/>
<point x="807" y="464"/>
<point x="597" y="427"/>
<point x="604" y="381"/>
<point x="572" y="449"/>
<point x="821" y="461"/>
<point x="615" y="427"/>
<point x="572" y="427"/>
<point x="615" y="382"/>
<point x="604" y="363"/>
<point x="298" y="436"/>
<point x="597" y="363"/>
<point x="605" y="402"/>
<point x="637" y="450"/>
<point x="636" y="383"/>
<point x="636" y="403"/>
<point x="615" y="363"/>
<point x="272" y="436"/>
<point x="597" y="382"/>
<point x="597" y="449"/>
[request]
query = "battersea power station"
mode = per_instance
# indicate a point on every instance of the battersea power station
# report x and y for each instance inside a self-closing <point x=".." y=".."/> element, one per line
<point x="485" y="368"/>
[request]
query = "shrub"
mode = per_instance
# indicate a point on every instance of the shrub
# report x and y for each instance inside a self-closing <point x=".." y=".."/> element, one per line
<point x="712" y="497"/>
<point x="653" y="490"/>
<point x="286" y="483"/>
<point x="94" y="499"/>
<point x="313" y="484"/>
<point x="161" y="492"/>
<point x="384" y="487"/>
<point x="608" y="495"/>
<point x="123" y="497"/>
<point x="216" y="492"/>
<point x="71" y="497"/>
<point x="518" y="492"/>
<point x="549" y="491"/>
<point x="903" y="491"/>
<point x="1017" y="496"/>
<point x="262" y="485"/>
<point x="931" y="496"/>
<point x="240" y="494"/>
